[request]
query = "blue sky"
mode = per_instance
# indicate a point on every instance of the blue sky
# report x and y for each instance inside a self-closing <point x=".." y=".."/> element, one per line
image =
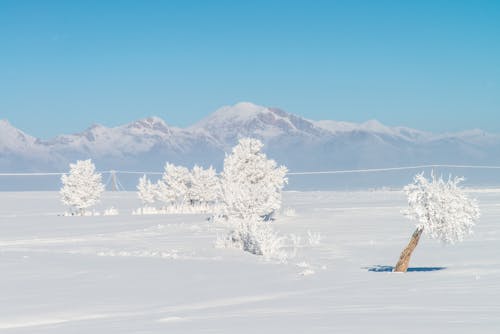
<point x="432" y="65"/>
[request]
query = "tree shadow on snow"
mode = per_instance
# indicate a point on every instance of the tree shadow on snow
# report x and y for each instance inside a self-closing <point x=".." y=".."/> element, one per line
<point x="383" y="269"/>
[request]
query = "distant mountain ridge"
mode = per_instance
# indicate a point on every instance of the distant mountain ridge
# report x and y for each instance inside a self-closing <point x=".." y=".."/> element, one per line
<point x="299" y="143"/>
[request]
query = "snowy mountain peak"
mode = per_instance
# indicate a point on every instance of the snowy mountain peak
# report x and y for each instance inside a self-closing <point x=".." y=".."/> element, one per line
<point x="246" y="119"/>
<point x="151" y="123"/>
<point x="95" y="127"/>
<point x="93" y="132"/>
<point x="375" y="125"/>
<point x="4" y="122"/>
<point x="5" y="126"/>
<point x="12" y="138"/>
<point x="371" y="126"/>
<point x="8" y="129"/>
<point x="240" y="112"/>
<point x="292" y="140"/>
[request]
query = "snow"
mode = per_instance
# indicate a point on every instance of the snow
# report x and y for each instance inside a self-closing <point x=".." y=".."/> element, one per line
<point x="139" y="136"/>
<point x="246" y="119"/>
<point x="14" y="140"/>
<point x="298" y="143"/>
<point x="375" y="127"/>
<point x="242" y="111"/>
<point x="163" y="273"/>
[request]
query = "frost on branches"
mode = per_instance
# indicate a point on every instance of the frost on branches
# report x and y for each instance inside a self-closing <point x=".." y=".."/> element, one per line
<point x="440" y="209"/>
<point x="82" y="187"/>
<point x="254" y="237"/>
<point x="173" y="186"/>
<point x="251" y="187"/>
<point x="251" y="184"/>
<point x="204" y="187"/>
<point x="147" y="192"/>
<point x="180" y="191"/>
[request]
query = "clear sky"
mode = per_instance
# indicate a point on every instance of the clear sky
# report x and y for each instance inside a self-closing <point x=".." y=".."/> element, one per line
<point x="432" y="65"/>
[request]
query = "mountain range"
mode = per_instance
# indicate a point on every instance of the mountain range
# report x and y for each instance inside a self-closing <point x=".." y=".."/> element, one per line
<point x="299" y="143"/>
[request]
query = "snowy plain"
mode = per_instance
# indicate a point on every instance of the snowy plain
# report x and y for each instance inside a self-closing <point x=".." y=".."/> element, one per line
<point x="163" y="273"/>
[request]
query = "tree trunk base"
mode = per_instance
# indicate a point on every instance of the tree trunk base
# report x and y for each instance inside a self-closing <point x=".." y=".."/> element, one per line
<point x="404" y="259"/>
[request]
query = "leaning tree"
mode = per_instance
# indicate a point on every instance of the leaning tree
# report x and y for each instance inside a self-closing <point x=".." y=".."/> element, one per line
<point x="441" y="209"/>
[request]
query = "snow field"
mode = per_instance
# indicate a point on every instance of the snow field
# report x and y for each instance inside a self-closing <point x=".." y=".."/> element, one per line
<point x="163" y="273"/>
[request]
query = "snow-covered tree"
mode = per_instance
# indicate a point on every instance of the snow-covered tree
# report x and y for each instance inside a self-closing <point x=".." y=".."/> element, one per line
<point x="174" y="184"/>
<point x="82" y="187"/>
<point x="254" y="237"/>
<point x="205" y="186"/>
<point x="251" y="183"/>
<point x="440" y="209"/>
<point x="146" y="191"/>
<point x="165" y="194"/>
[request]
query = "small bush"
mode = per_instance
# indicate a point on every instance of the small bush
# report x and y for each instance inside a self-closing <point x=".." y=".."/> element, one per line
<point x="314" y="238"/>
<point x="255" y="237"/>
<point x="289" y="212"/>
<point x="110" y="212"/>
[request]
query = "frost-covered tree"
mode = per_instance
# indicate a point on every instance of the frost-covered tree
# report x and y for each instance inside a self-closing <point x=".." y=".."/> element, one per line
<point x="81" y="187"/>
<point x="146" y="191"/>
<point x="256" y="238"/>
<point x="441" y="209"/>
<point x="165" y="194"/>
<point x="251" y="183"/>
<point x="205" y="186"/>
<point x="251" y="187"/>
<point x="174" y="184"/>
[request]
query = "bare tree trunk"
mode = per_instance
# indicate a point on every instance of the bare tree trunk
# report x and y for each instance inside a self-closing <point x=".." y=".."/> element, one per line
<point x="404" y="259"/>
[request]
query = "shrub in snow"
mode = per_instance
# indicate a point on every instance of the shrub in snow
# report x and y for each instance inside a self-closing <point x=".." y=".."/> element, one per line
<point x="251" y="184"/>
<point x="306" y="269"/>
<point x="289" y="212"/>
<point x="254" y="237"/>
<point x="81" y="187"/>
<point x="85" y="213"/>
<point x="110" y="212"/>
<point x="314" y="238"/>
<point x="440" y="209"/>
<point x="149" y="210"/>
<point x="296" y="240"/>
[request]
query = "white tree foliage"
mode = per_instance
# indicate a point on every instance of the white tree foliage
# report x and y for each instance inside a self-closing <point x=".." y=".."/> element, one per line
<point x="251" y="184"/>
<point x="255" y="237"/>
<point x="146" y="191"/>
<point x="205" y="186"/>
<point x="180" y="191"/>
<point x="172" y="188"/>
<point x="251" y="187"/>
<point x="82" y="187"/>
<point x="441" y="208"/>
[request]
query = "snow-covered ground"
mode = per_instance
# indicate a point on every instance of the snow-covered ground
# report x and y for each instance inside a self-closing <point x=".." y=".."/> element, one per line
<point x="162" y="273"/>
